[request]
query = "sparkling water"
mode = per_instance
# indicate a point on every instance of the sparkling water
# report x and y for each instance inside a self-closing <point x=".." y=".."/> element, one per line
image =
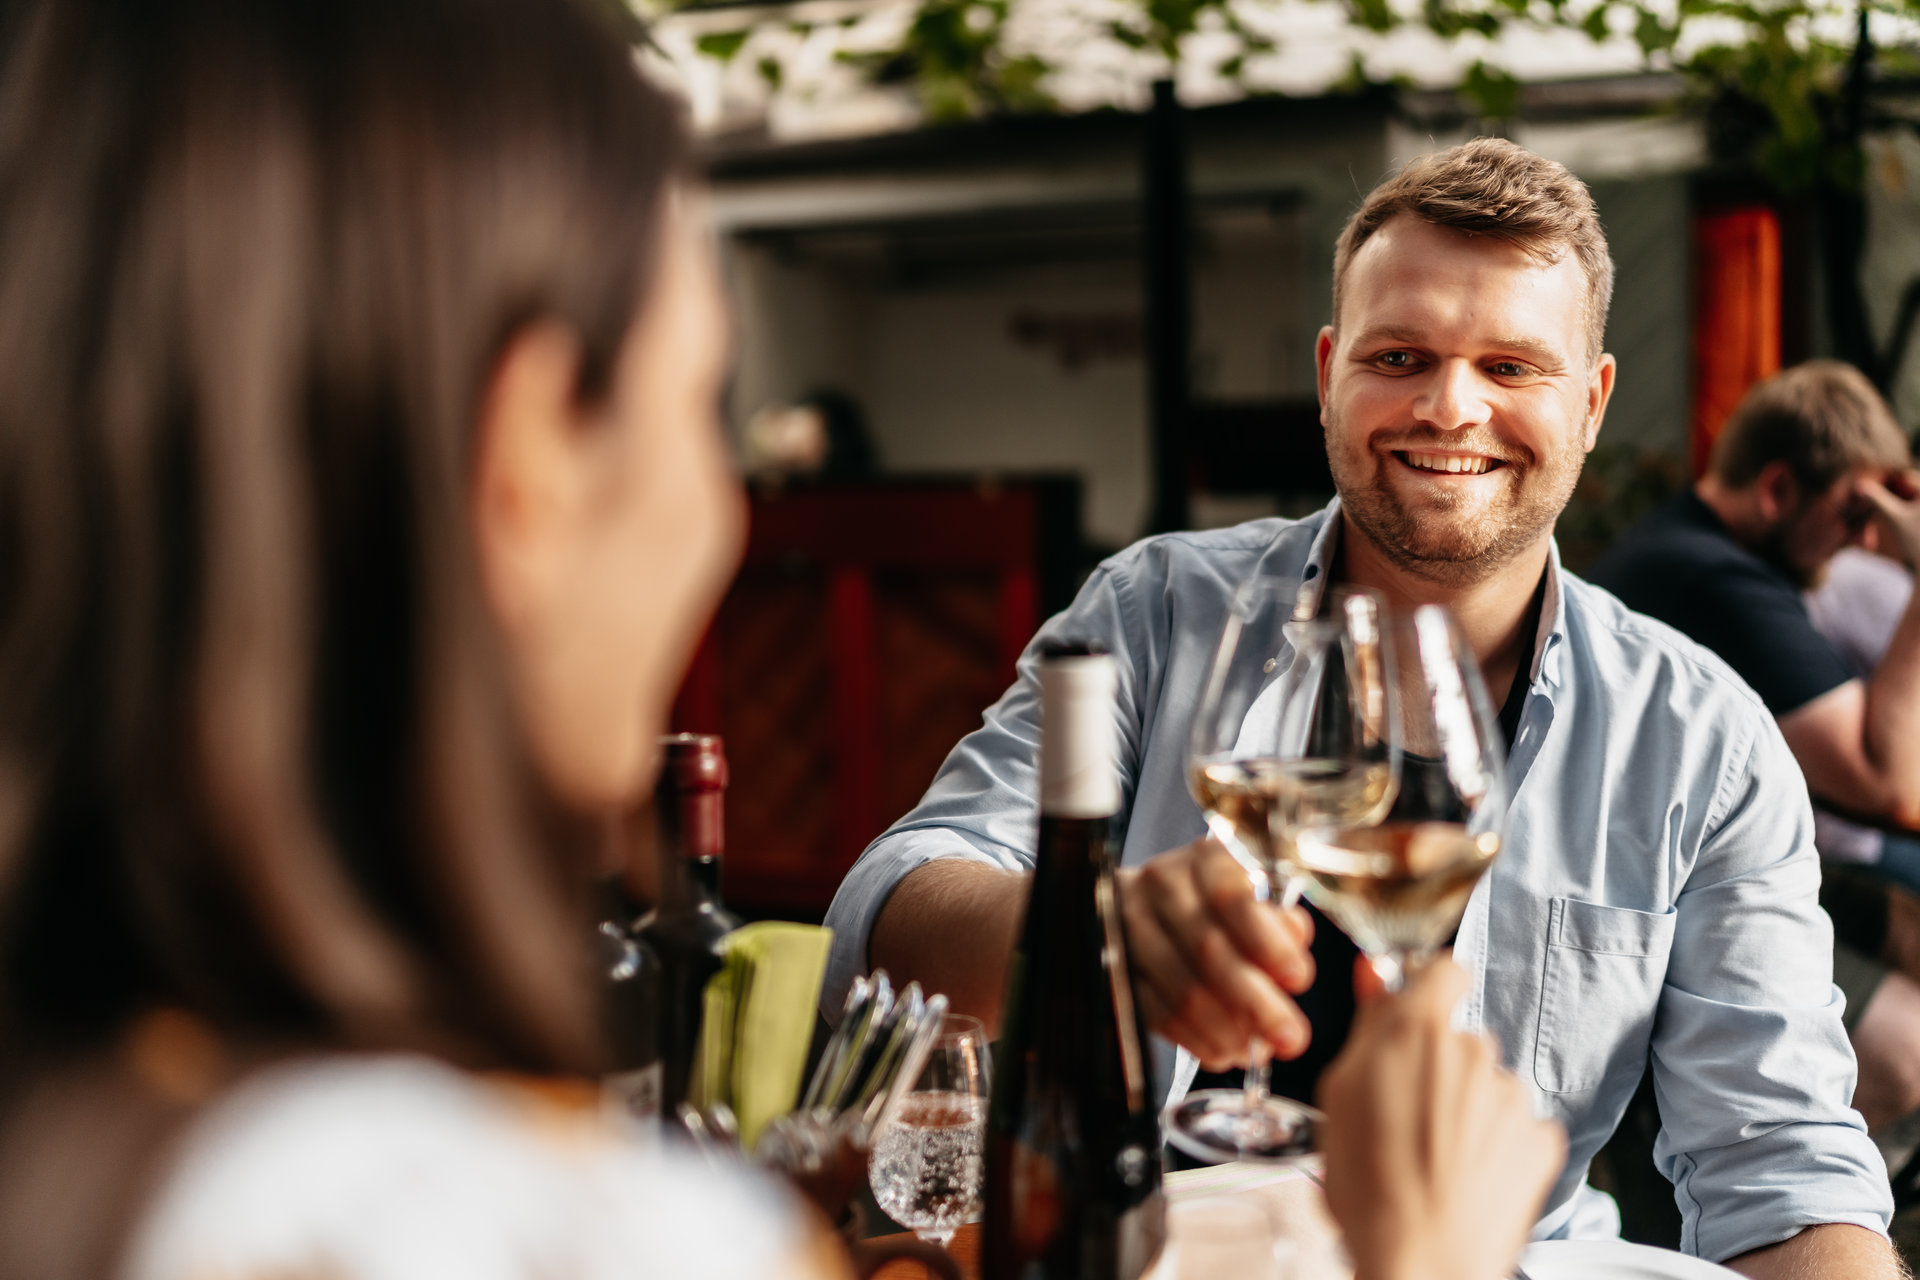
<point x="928" y="1165"/>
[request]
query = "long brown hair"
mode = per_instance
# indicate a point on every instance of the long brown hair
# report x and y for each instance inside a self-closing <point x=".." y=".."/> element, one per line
<point x="257" y="259"/>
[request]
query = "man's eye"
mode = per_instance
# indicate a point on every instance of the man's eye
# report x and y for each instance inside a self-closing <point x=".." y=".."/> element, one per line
<point x="1397" y="359"/>
<point x="1509" y="369"/>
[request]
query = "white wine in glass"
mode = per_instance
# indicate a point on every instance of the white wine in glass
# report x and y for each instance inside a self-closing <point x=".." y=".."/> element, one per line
<point x="1262" y="800"/>
<point x="1400" y="888"/>
<point x="1295" y="725"/>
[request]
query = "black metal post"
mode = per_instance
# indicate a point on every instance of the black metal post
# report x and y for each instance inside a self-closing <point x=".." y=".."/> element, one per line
<point x="1842" y="228"/>
<point x="1168" y="287"/>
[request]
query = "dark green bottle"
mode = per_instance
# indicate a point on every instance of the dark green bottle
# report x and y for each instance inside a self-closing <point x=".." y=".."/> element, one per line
<point x="1073" y="1140"/>
<point x="687" y="930"/>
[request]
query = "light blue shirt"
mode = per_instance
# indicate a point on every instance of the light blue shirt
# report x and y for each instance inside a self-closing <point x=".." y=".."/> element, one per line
<point x="1655" y="898"/>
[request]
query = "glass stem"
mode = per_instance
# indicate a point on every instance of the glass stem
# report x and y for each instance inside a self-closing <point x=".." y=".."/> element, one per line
<point x="1290" y="893"/>
<point x="1397" y="964"/>
<point x="1253" y="1092"/>
<point x="1254" y="1088"/>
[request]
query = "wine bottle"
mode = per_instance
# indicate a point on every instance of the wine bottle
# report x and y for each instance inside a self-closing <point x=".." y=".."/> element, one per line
<point x="686" y="927"/>
<point x="630" y="993"/>
<point x="1073" y="1140"/>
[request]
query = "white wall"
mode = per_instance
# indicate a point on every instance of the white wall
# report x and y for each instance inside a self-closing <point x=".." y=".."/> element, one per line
<point x="948" y="388"/>
<point x="1650" y="326"/>
<point x="1257" y="305"/>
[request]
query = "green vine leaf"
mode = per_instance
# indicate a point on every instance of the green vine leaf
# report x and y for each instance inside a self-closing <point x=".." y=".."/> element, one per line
<point x="721" y="45"/>
<point x="1493" y="92"/>
<point x="1374" y="15"/>
<point x="1652" y="34"/>
<point x="1769" y="81"/>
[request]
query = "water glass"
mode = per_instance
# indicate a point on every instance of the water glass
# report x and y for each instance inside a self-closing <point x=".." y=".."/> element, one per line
<point x="929" y="1163"/>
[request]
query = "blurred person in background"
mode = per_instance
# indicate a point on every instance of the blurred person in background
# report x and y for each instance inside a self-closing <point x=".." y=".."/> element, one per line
<point x="824" y="436"/>
<point x="361" y="501"/>
<point x="1810" y="463"/>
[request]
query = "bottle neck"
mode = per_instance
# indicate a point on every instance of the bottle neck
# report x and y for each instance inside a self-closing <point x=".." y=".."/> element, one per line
<point x="1082" y="847"/>
<point x="692" y="836"/>
<point x="702" y="876"/>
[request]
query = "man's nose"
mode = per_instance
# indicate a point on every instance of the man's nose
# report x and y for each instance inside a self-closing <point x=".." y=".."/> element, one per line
<point x="1452" y="398"/>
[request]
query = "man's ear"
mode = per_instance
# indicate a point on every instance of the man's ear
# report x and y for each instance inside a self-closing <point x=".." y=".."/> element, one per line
<point x="1599" y="392"/>
<point x="528" y="475"/>
<point x="1776" y="493"/>
<point x="1322" y="361"/>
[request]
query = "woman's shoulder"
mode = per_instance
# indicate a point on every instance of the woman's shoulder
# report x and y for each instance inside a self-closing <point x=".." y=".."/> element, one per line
<point x="362" y="1167"/>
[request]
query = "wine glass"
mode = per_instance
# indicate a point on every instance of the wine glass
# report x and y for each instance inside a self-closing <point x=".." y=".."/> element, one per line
<point x="1295" y="727"/>
<point x="1399" y="888"/>
<point x="929" y="1162"/>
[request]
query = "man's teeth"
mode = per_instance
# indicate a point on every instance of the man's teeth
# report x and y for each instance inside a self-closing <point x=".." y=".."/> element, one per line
<point x="1449" y="462"/>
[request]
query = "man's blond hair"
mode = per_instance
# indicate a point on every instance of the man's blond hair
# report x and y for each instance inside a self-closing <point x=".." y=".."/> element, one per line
<point x="1491" y="187"/>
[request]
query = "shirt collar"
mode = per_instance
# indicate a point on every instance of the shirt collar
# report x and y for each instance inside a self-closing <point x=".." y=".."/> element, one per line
<point x="1552" y="631"/>
<point x="1553" y="623"/>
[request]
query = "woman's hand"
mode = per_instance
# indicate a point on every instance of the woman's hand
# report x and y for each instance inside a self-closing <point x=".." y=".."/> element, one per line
<point x="1436" y="1166"/>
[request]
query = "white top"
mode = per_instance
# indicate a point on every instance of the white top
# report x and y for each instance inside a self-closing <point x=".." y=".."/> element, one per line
<point x="1856" y="607"/>
<point x="1858" y="604"/>
<point x="363" y="1167"/>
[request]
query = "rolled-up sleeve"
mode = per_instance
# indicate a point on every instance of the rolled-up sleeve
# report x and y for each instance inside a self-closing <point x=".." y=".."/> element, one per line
<point x="982" y="806"/>
<point x="1751" y="1065"/>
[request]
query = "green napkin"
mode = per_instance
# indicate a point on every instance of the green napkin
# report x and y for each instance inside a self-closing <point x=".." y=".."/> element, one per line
<point x="758" y="1022"/>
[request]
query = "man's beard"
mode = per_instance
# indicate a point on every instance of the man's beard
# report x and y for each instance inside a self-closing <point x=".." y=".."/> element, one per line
<point x="1453" y="543"/>
<point x="1776" y="548"/>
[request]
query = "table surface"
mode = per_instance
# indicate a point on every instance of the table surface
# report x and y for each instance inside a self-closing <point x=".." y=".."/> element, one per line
<point x="1290" y="1197"/>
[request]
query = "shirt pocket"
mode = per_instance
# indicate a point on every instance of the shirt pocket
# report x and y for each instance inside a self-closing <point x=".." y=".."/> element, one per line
<point x="1605" y="967"/>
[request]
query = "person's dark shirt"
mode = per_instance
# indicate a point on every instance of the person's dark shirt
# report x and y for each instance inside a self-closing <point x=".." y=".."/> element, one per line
<point x="1681" y="565"/>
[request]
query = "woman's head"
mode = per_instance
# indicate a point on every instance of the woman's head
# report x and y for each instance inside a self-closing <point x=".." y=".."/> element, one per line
<point x="339" y="399"/>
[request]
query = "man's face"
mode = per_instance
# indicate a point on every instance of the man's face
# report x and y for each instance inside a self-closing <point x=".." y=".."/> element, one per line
<point x="1804" y="539"/>
<point x="1457" y="398"/>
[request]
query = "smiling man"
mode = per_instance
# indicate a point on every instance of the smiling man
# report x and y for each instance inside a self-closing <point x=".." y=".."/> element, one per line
<point x="1655" y="900"/>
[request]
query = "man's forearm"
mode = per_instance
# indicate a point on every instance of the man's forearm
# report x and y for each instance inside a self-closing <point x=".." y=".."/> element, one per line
<point x="1893" y="715"/>
<point x="950" y="926"/>
<point x="1834" y="1251"/>
<point x="1859" y="743"/>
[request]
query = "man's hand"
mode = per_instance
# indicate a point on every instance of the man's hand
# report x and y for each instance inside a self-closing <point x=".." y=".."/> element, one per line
<point x="1896" y="513"/>
<point x="1435" y="1164"/>
<point x="1212" y="962"/>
